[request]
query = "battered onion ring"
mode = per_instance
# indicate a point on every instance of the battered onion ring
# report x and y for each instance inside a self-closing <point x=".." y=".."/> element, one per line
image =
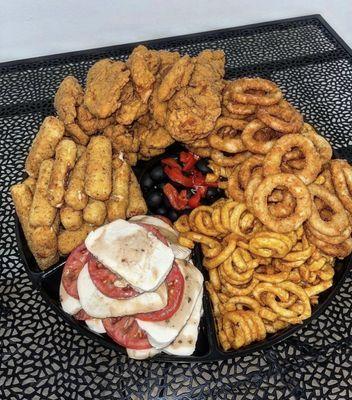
<point x="251" y="188"/>
<point x="283" y="145"/>
<point x="200" y="151"/>
<point x="251" y="142"/>
<point x="247" y="168"/>
<point x="283" y="208"/>
<point x="339" y="220"/>
<point x="331" y="239"/>
<point x="227" y="135"/>
<point x="341" y="173"/>
<point x="240" y="87"/>
<point x="296" y="188"/>
<point x="322" y="145"/>
<point x="228" y="161"/>
<point x="282" y="118"/>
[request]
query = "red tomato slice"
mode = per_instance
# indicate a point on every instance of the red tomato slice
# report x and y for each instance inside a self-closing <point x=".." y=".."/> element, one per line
<point x="126" y="332"/>
<point x="104" y="280"/>
<point x="175" y="283"/>
<point x="72" y="268"/>
<point x="82" y="315"/>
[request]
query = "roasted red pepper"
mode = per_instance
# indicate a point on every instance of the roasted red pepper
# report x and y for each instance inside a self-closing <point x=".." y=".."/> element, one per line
<point x="177" y="200"/>
<point x="171" y="162"/>
<point x="189" y="160"/>
<point x="194" y="200"/>
<point x="176" y="175"/>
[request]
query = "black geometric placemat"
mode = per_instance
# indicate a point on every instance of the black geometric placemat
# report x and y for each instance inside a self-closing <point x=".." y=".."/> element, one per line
<point x="44" y="358"/>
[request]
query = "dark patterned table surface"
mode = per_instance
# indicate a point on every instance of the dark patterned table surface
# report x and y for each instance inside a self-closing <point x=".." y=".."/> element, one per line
<point x="44" y="358"/>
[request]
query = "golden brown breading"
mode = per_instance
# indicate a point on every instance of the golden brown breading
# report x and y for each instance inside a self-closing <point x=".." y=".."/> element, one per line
<point x="89" y="123"/>
<point x="122" y="139"/>
<point x="105" y="80"/>
<point x="193" y="110"/>
<point x="144" y="65"/>
<point x="68" y="97"/>
<point x="132" y="106"/>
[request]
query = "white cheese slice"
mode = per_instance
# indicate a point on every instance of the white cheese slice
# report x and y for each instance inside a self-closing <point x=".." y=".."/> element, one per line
<point x="185" y="342"/>
<point x="132" y="252"/>
<point x="162" y="333"/>
<point x="142" y="354"/>
<point x="68" y="303"/>
<point x="170" y="234"/>
<point x="96" y="325"/>
<point x="97" y="305"/>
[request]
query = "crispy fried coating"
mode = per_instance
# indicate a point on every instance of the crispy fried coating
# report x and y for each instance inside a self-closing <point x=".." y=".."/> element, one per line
<point x="99" y="169"/>
<point x="136" y="204"/>
<point x="95" y="212"/>
<point x="65" y="159"/>
<point x="42" y="213"/>
<point x="132" y="106"/>
<point x="75" y="195"/>
<point x="89" y="123"/>
<point x="105" y="81"/>
<point x="43" y="147"/>
<point x="69" y="240"/>
<point x="67" y="98"/>
<point x="122" y="139"/>
<point x="144" y="65"/>
<point x="194" y="109"/>
<point x="70" y="218"/>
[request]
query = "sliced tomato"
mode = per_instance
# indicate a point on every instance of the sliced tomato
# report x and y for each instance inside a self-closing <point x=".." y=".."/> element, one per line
<point x="105" y="281"/>
<point x="126" y="332"/>
<point x="73" y="266"/>
<point x="82" y="315"/>
<point x="175" y="283"/>
<point x="154" y="231"/>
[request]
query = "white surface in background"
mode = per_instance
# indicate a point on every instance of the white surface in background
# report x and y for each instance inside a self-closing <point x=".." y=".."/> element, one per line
<point x="30" y="28"/>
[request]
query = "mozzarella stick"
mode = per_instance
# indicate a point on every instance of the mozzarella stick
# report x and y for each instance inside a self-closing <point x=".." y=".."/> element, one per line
<point x="98" y="172"/>
<point x="75" y="195"/>
<point x="137" y="204"/>
<point x="95" y="212"/>
<point x="70" y="218"/>
<point x="65" y="158"/>
<point x="69" y="240"/>
<point x="118" y="202"/>
<point x="42" y="213"/>
<point x="37" y="240"/>
<point x="44" y="145"/>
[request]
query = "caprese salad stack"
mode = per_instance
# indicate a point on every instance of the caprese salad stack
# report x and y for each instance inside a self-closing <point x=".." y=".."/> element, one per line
<point x="132" y="281"/>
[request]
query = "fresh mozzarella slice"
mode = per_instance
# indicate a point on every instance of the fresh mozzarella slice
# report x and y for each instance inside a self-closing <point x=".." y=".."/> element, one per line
<point x="142" y="354"/>
<point x="171" y="235"/>
<point x="97" y="305"/>
<point x="185" y="342"/>
<point x="96" y="325"/>
<point x="69" y="304"/>
<point x="132" y="252"/>
<point x="162" y="333"/>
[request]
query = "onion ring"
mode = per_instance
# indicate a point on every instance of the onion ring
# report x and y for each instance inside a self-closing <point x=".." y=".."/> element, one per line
<point x="251" y="142"/>
<point x="228" y="161"/>
<point x="322" y="145"/>
<point x="341" y="173"/>
<point x="296" y="188"/>
<point x="240" y="88"/>
<point x="283" y="145"/>
<point x="227" y="135"/>
<point x="282" y="118"/>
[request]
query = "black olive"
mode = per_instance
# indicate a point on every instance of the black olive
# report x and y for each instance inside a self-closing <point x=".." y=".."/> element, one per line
<point x="166" y="202"/>
<point x="158" y="174"/>
<point x="161" y="211"/>
<point x="146" y="182"/>
<point x="212" y="193"/>
<point x="154" y="199"/>
<point x="172" y="214"/>
<point x="202" y="165"/>
<point x="160" y="186"/>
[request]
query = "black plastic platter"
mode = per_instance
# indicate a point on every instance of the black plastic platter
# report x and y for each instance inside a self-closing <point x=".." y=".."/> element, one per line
<point x="207" y="348"/>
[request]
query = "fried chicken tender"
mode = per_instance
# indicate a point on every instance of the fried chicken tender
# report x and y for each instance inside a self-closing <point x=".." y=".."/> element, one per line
<point x="68" y="97"/>
<point x="132" y="106"/>
<point x="144" y="65"/>
<point x="194" y="109"/>
<point x="105" y="81"/>
<point x="122" y="139"/>
<point x="89" y="123"/>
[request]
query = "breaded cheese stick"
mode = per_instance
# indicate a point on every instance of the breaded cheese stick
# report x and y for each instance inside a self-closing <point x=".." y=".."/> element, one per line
<point x="44" y="239"/>
<point x="50" y="133"/>
<point x="118" y="201"/>
<point x="65" y="158"/>
<point x="22" y="198"/>
<point x="137" y="204"/>
<point x="95" y="212"/>
<point x="99" y="168"/>
<point x="71" y="219"/>
<point x="75" y="195"/>
<point x="69" y="240"/>
<point x="31" y="183"/>
<point x="42" y="213"/>
<point x="77" y="134"/>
